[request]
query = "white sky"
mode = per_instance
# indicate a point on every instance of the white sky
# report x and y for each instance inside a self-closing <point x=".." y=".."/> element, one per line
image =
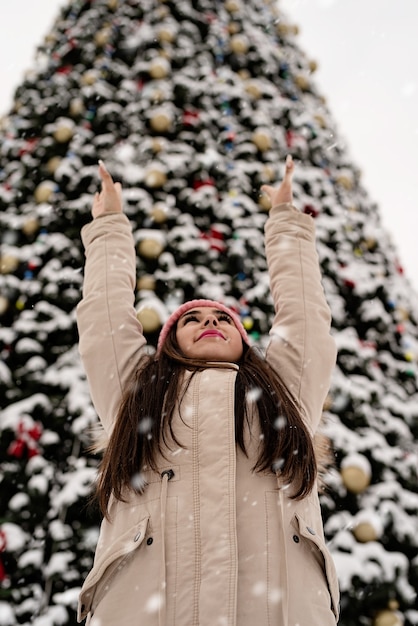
<point x="367" y="52"/>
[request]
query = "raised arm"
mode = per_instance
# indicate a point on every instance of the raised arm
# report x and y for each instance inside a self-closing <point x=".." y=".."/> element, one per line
<point x="301" y="348"/>
<point x="110" y="337"/>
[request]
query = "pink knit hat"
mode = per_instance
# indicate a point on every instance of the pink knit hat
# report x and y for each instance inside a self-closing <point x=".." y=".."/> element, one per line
<point x="187" y="306"/>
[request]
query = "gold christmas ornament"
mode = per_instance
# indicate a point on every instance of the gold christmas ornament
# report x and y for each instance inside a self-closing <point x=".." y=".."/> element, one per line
<point x="146" y="282"/>
<point x="159" y="214"/>
<point x="157" y="96"/>
<point x="388" y="617"/>
<point x="165" y="53"/>
<point x="313" y="65"/>
<point x="77" y="107"/>
<point x="50" y="39"/>
<point x="356" y="473"/>
<point x="102" y="36"/>
<point x="8" y="264"/>
<point x="30" y="226"/>
<point x="17" y="105"/>
<point x="320" y="120"/>
<point x="232" y="6"/>
<point x="393" y="604"/>
<point x="155" y="178"/>
<point x="159" y="68"/>
<point x="64" y="130"/>
<point x="402" y="313"/>
<point x="367" y="526"/>
<point x="162" y="12"/>
<point x="4" y="305"/>
<point x="268" y="175"/>
<point x="262" y="139"/>
<point x="44" y="191"/>
<point x="239" y="44"/>
<point x="113" y="4"/>
<point x="287" y="29"/>
<point x="345" y="181"/>
<point x="244" y="74"/>
<point x="166" y="35"/>
<point x="4" y="121"/>
<point x="253" y="90"/>
<point x="233" y="28"/>
<point x="370" y="243"/>
<point x="89" y="78"/>
<point x="264" y="202"/>
<point x="157" y="145"/>
<point x="149" y="319"/>
<point x="365" y="531"/>
<point x="355" y="480"/>
<point x="161" y="122"/>
<point x="53" y="164"/>
<point x="150" y="248"/>
<point x="302" y="82"/>
<point x="328" y="403"/>
<point x="283" y="29"/>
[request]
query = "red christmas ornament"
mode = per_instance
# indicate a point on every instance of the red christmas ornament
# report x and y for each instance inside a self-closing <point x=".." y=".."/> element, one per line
<point x="309" y="209"/>
<point x="368" y="344"/>
<point x="64" y="69"/>
<point x="17" y="448"/>
<point x="33" y="264"/>
<point x="191" y="118"/>
<point x="29" y="146"/>
<point x="348" y="282"/>
<point x="215" y="238"/>
<point x="35" y="432"/>
<point x="26" y="440"/>
<point x="201" y="183"/>
<point x="210" y="17"/>
<point x="290" y="137"/>
<point x="32" y="452"/>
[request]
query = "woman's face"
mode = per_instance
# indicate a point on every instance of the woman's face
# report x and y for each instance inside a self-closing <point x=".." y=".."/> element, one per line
<point x="209" y="334"/>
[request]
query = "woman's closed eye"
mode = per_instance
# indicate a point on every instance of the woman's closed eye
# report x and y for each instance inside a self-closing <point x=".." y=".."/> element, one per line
<point x="221" y="317"/>
<point x="190" y="318"/>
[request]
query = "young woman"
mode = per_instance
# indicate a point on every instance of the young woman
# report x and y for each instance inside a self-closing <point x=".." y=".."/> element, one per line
<point x="208" y="481"/>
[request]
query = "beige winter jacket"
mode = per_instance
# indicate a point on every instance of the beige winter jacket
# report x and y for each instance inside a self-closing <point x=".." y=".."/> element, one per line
<point x="210" y="543"/>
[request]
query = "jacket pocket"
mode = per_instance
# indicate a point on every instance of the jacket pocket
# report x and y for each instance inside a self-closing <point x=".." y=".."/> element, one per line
<point x="107" y="566"/>
<point x="324" y="558"/>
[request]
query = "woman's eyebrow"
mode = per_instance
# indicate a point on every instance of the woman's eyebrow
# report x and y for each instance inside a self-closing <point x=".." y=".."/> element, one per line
<point x="190" y="313"/>
<point x="196" y="312"/>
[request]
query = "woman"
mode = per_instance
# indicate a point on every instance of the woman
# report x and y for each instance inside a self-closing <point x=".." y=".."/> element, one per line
<point x="208" y="481"/>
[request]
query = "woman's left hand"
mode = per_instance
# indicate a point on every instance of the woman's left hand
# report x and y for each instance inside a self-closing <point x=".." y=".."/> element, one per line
<point x="282" y="193"/>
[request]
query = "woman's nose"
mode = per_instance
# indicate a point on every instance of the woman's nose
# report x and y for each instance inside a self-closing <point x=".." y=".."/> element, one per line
<point x="211" y="320"/>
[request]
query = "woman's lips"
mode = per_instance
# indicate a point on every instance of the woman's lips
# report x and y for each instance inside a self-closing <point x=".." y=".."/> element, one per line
<point x="211" y="333"/>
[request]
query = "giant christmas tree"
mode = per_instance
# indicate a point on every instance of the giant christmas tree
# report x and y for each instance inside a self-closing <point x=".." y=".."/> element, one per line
<point x="193" y="105"/>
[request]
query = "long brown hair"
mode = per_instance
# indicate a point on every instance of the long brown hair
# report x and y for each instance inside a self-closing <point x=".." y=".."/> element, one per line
<point x="146" y="413"/>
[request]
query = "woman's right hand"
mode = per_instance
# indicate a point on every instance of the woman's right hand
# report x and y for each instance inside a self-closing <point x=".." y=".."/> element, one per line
<point x="282" y="193"/>
<point x="109" y="200"/>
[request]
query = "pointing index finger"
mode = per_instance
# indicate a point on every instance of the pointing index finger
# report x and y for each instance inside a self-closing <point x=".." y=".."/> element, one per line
<point x="104" y="174"/>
